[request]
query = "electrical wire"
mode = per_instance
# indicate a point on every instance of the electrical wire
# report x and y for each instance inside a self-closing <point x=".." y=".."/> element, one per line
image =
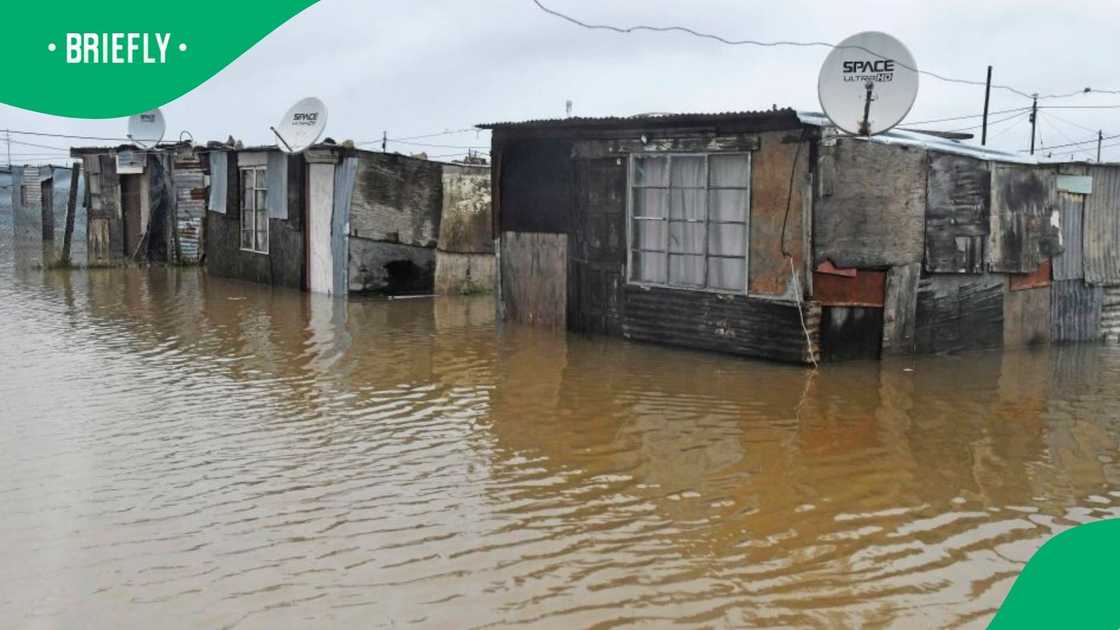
<point x="992" y="123"/>
<point x="968" y="117"/>
<point x="62" y="135"/>
<point x="625" y="30"/>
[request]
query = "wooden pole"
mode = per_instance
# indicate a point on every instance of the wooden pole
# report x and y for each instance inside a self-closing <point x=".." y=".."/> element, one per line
<point x="71" y="210"/>
<point x="987" y="97"/>
<point x="1034" y="121"/>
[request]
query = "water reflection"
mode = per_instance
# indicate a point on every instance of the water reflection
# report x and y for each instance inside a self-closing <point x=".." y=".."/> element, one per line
<point x="198" y="452"/>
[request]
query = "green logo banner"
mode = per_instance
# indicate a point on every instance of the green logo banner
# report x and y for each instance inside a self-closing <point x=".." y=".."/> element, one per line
<point x="1071" y="582"/>
<point x="110" y="59"/>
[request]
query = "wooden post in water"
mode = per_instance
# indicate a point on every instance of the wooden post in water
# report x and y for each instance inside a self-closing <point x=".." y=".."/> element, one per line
<point x="71" y="210"/>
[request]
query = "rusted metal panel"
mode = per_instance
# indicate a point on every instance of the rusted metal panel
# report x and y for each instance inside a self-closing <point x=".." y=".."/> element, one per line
<point x="772" y="174"/>
<point x="851" y="333"/>
<point x="870" y="212"/>
<point x="900" y="309"/>
<point x="1110" y="314"/>
<point x="1023" y="199"/>
<point x="1026" y="318"/>
<point x="866" y="288"/>
<point x="959" y="313"/>
<point x="722" y="322"/>
<point x="1101" y="232"/>
<point x="1070" y="264"/>
<point x="958" y="214"/>
<point x="1040" y="278"/>
<point x="1075" y="311"/>
<point x="534" y="274"/>
<point x="190" y="206"/>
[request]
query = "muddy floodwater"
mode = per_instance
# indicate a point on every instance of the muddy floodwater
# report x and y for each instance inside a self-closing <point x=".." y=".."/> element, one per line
<point x="178" y="451"/>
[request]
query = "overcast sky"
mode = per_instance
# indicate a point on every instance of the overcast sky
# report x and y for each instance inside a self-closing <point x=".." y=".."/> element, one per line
<point x="426" y="66"/>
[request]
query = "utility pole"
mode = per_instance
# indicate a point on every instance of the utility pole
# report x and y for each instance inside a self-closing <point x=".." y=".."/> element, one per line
<point x="1034" y="120"/>
<point x="384" y="140"/>
<point x="987" y="98"/>
<point x="1100" y="138"/>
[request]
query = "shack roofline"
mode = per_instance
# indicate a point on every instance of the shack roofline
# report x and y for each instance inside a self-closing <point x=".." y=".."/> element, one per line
<point x="342" y="149"/>
<point x="163" y="146"/>
<point x="744" y="121"/>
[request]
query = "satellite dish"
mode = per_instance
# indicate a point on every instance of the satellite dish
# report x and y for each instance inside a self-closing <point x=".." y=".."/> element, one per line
<point x="301" y="125"/>
<point x="146" y="128"/>
<point x="868" y="83"/>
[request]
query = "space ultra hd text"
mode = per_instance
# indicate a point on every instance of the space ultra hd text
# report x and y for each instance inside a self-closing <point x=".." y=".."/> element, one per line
<point x="118" y="48"/>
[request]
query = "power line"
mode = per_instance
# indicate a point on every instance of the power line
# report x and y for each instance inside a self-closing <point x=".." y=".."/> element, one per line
<point x="625" y="30"/>
<point x="993" y="123"/>
<point x="62" y="135"/>
<point x="1075" y="144"/>
<point x="970" y="116"/>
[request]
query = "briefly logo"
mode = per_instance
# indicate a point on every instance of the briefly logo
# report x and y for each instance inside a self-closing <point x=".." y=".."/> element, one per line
<point x="305" y="119"/>
<point x="862" y="71"/>
<point x="117" y="48"/>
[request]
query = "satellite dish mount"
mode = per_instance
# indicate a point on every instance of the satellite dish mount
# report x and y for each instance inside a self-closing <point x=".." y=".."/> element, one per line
<point x="146" y="129"/>
<point x="868" y="83"/>
<point x="301" y="125"/>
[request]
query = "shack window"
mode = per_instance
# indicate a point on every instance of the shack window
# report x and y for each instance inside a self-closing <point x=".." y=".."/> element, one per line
<point x="688" y="218"/>
<point x="254" y="210"/>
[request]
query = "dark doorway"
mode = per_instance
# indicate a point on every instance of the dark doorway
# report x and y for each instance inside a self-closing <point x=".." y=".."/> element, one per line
<point x="851" y="333"/>
<point x="130" y="210"/>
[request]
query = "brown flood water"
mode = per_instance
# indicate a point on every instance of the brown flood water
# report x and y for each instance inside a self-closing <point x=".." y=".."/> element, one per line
<point x="183" y="451"/>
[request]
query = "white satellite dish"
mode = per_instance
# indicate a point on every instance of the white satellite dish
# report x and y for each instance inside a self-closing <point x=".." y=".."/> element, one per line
<point x="301" y="125"/>
<point x="868" y="83"/>
<point x="145" y="129"/>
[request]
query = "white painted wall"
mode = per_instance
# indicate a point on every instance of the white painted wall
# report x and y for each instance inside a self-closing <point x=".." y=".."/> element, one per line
<point x="320" y="274"/>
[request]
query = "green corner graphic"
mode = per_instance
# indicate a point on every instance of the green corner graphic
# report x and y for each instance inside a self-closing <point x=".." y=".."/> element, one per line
<point x="112" y="59"/>
<point x="1072" y="582"/>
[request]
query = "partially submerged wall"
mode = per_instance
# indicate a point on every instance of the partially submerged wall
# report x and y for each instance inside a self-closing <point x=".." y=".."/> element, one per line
<point x="465" y="252"/>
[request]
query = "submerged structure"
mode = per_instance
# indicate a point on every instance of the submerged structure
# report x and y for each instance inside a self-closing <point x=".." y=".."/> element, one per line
<point x="768" y="234"/>
<point x="144" y="205"/>
<point x="333" y="219"/>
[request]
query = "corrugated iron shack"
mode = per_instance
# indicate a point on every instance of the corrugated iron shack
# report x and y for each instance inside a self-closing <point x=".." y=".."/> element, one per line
<point x="38" y="197"/>
<point x="767" y="234"/>
<point x="144" y="205"/>
<point x="332" y="220"/>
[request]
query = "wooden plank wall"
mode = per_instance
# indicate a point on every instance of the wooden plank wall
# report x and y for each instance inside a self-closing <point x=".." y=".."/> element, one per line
<point x="958" y="214"/>
<point x="959" y="313"/>
<point x="597" y="246"/>
<point x="534" y="275"/>
<point x="900" y="309"/>
<point x="772" y="173"/>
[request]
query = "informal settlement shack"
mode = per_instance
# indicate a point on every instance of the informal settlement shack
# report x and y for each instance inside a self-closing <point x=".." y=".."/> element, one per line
<point x="144" y="205"/>
<point x="333" y="219"/>
<point x="767" y="234"/>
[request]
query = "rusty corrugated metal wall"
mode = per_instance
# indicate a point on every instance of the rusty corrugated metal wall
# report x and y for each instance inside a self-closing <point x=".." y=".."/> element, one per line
<point x="1101" y="233"/>
<point x="1110" y="314"/>
<point x="190" y="205"/>
<point x="1070" y="264"/>
<point x="1075" y="311"/>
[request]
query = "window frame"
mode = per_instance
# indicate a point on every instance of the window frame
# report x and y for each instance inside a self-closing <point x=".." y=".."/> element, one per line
<point x="260" y="183"/>
<point x="631" y="186"/>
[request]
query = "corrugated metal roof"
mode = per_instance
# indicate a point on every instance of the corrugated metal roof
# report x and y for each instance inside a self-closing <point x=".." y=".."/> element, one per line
<point x="1101" y="231"/>
<point x="660" y="119"/>
<point x="815" y="119"/>
<point x="1075" y="311"/>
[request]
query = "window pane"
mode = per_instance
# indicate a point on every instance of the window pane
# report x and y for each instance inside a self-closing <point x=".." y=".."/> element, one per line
<point x="247" y="231"/>
<point x="686" y="238"/>
<point x="727" y="273"/>
<point x="688" y="171"/>
<point x="727" y="239"/>
<point x="246" y="189"/>
<point x="728" y="205"/>
<point x="261" y="200"/>
<point x="729" y="170"/>
<point x="262" y="230"/>
<point x="648" y="267"/>
<point x="649" y="235"/>
<point x="650" y="171"/>
<point x="686" y="270"/>
<point x="651" y="203"/>
<point x="688" y="204"/>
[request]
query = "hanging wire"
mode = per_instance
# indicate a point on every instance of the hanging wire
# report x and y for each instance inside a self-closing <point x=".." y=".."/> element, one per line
<point x="798" y="44"/>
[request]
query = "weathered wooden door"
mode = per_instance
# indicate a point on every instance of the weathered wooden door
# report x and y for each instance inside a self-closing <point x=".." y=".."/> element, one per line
<point x="130" y="210"/>
<point x="597" y="246"/>
<point x="320" y="262"/>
